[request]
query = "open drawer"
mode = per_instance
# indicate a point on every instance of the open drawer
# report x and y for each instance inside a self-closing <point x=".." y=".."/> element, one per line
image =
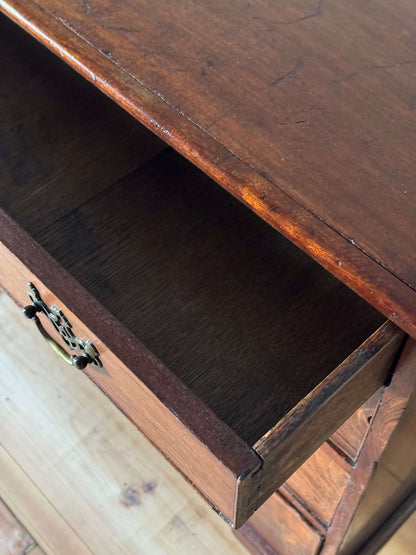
<point x="229" y="348"/>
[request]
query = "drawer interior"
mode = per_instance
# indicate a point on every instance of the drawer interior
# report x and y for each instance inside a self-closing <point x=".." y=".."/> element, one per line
<point x="243" y="317"/>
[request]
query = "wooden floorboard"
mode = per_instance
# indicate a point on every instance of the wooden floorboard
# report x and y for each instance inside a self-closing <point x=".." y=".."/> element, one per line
<point x="35" y="512"/>
<point x="78" y="476"/>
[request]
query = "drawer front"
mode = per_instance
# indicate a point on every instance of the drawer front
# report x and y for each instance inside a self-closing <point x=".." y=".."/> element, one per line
<point x="200" y="446"/>
<point x="278" y="528"/>
<point x="349" y="438"/>
<point x="320" y="482"/>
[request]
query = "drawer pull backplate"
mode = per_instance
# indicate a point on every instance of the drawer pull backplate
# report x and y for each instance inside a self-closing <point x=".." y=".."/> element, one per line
<point x="88" y="354"/>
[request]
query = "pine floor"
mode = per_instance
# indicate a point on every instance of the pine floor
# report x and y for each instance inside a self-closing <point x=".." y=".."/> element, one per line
<point x="76" y="477"/>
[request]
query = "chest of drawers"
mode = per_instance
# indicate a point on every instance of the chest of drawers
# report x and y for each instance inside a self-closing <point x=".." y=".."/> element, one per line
<point x="232" y="350"/>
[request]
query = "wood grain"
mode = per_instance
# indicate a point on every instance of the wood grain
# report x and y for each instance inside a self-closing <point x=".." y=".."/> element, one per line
<point x="32" y="508"/>
<point x="351" y="435"/>
<point x="320" y="482"/>
<point x="277" y="528"/>
<point x="311" y="128"/>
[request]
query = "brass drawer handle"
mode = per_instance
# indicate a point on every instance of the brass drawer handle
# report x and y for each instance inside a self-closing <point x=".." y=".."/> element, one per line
<point x="88" y="353"/>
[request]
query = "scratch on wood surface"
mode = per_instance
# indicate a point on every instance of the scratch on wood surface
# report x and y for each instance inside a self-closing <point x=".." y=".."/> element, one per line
<point x="391" y="66"/>
<point x="219" y="118"/>
<point x="121" y="29"/>
<point x="304" y="122"/>
<point x="315" y="13"/>
<point x="288" y="75"/>
<point x="378" y="67"/>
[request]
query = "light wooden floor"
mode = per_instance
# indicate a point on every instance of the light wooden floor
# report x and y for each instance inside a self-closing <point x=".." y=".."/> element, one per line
<point x="76" y="476"/>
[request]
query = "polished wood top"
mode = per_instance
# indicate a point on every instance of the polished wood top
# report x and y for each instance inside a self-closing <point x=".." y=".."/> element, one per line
<point x="304" y="110"/>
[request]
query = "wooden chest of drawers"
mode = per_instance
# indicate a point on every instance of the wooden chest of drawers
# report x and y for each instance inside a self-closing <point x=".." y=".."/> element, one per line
<point x="233" y="351"/>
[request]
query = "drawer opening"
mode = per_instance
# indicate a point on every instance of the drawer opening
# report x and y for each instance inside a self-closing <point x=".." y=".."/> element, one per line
<point x="243" y="317"/>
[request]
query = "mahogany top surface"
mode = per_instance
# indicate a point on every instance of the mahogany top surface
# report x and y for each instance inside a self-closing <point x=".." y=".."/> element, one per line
<point x="305" y="110"/>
